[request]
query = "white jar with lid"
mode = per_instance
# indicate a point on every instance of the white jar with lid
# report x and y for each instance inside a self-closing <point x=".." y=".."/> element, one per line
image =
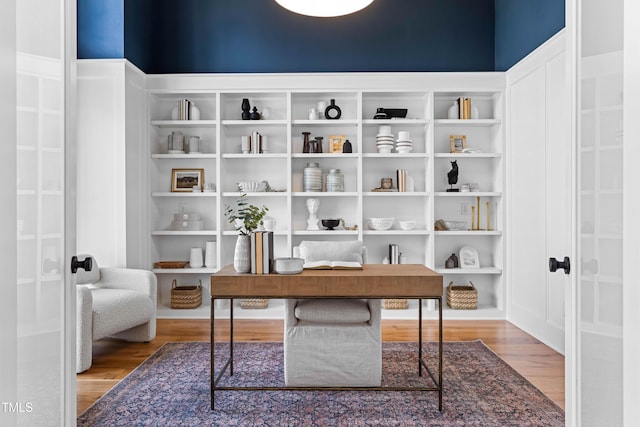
<point x="312" y="177"/>
<point x="335" y="180"/>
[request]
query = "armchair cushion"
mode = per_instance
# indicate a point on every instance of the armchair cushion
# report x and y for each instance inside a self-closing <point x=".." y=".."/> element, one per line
<point x="116" y="310"/>
<point x="339" y="311"/>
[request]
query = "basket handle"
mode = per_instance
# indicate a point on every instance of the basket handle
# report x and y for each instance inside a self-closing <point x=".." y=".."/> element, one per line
<point x="199" y="283"/>
<point x="450" y="285"/>
<point x="472" y="285"/>
<point x="174" y="284"/>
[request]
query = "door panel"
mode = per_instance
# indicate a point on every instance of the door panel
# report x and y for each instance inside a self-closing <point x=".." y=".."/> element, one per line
<point x="538" y="182"/>
<point x="599" y="281"/>
<point x="45" y="300"/>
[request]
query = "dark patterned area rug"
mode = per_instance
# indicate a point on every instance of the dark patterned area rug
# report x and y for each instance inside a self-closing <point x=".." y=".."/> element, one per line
<point x="171" y="388"/>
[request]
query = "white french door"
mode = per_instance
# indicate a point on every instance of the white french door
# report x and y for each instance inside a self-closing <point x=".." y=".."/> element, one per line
<point x="45" y="206"/>
<point x="595" y="328"/>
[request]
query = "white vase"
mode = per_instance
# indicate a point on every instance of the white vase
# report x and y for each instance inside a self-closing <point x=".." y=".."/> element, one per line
<point x="195" y="260"/>
<point x="242" y="254"/>
<point x="452" y="113"/>
<point x="210" y="254"/>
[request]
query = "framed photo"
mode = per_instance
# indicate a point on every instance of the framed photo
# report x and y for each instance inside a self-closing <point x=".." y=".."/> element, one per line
<point x="186" y="179"/>
<point x="469" y="257"/>
<point x="335" y="143"/>
<point x="457" y="143"/>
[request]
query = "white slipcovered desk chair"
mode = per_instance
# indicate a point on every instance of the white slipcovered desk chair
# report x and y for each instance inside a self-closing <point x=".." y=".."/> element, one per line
<point x="113" y="302"/>
<point x="332" y="342"/>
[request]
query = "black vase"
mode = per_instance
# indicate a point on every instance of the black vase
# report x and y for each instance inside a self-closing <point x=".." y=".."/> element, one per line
<point x="346" y="147"/>
<point x="332" y="112"/>
<point x="306" y="147"/>
<point x="254" y="114"/>
<point x="246" y="109"/>
<point x="318" y="147"/>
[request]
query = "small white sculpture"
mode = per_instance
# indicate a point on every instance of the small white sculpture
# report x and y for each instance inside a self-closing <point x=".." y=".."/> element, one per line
<point x="312" y="207"/>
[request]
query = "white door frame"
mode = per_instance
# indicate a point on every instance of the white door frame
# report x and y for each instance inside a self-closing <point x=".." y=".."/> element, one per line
<point x="8" y="216"/>
<point x="69" y="359"/>
<point x="631" y="214"/>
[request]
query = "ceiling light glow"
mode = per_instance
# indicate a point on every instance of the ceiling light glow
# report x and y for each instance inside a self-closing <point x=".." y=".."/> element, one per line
<point x="324" y="8"/>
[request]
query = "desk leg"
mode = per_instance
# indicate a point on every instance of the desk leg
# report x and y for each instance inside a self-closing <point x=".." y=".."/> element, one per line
<point x="420" y="337"/>
<point x="231" y="335"/>
<point x="213" y="303"/>
<point x="440" y="354"/>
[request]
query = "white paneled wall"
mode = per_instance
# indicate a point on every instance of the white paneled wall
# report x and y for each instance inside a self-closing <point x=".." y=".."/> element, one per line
<point x="111" y="167"/>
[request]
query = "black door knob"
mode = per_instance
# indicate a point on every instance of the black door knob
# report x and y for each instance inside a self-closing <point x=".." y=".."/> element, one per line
<point x="565" y="264"/>
<point x="86" y="264"/>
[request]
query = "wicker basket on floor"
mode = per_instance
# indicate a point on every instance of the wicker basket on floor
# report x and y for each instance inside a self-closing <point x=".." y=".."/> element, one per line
<point x="463" y="297"/>
<point x="395" y="304"/>
<point x="186" y="296"/>
<point x="254" y="303"/>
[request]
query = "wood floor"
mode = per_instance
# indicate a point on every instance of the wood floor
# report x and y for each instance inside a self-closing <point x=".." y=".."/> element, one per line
<point x="113" y="360"/>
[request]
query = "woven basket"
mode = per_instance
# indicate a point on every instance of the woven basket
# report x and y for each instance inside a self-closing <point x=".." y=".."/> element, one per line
<point x="464" y="297"/>
<point x="254" y="303"/>
<point x="186" y="296"/>
<point x="395" y="304"/>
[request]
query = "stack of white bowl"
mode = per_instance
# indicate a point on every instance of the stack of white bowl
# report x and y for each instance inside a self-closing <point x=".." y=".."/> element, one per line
<point x="404" y="143"/>
<point x="384" y="139"/>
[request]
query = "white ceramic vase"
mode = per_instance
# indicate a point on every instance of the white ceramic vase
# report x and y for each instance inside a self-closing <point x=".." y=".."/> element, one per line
<point x="210" y="254"/>
<point x="242" y="254"/>
<point x="452" y="113"/>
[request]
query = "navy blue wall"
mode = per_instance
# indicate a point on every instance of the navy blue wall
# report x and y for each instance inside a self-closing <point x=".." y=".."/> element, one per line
<point x="522" y="26"/>
<point x="215" y="36"/>
<point x="212" y="36"/>
<point x="100" y="28"/>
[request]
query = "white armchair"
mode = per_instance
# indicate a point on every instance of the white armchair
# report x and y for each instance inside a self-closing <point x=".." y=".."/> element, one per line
<point x="332" y="342"/>
<point x="116" y="303"/>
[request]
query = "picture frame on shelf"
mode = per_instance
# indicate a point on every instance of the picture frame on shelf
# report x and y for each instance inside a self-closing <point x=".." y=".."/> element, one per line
<point x="183" y="180"/>
<point x="336" y="142"/>
<point x="457" y="143"/>
<point x="469" y="257"/>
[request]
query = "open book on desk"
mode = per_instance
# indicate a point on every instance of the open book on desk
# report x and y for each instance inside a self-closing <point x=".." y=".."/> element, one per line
<point x="332" y="265"/>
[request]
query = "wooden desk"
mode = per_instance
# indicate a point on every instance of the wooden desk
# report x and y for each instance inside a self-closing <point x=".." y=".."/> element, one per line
<point x="411" y="281"/>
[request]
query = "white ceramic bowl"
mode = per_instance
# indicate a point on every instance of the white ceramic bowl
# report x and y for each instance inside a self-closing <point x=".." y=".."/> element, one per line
<point x="407" y="225"/>
<point x="252" y="186"/>
<point x="457" y="225"/>
<point x="380" y="223"/>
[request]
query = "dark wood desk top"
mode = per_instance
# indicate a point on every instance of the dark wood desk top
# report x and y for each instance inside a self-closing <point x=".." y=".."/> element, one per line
<point x="373" y="281"/>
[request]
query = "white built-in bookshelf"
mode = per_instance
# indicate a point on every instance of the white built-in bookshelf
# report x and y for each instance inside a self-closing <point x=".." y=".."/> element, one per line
<point x="426" y="97"/>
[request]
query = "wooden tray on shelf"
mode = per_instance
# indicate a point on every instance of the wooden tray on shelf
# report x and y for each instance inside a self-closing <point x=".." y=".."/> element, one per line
<point x="170" y="264"/>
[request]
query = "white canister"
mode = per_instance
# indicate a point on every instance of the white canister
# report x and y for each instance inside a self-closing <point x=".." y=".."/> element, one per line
<point x="312" y="177"/>
<point x="210" y="254"/>
<point x="195" y="258"/>
<point x="322" y="105"/>
<point x="193" y="145"/>
<point x="313" y="114"/>
<point x="335" y="180"/>
<point x="245" y="144"/>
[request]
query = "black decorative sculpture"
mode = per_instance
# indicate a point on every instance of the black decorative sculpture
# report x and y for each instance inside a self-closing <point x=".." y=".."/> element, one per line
<point x="452" y="176"/>
<point x="246" y="107"/>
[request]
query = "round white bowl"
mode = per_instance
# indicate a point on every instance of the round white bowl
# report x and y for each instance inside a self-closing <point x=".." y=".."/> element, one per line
<point x="252" y="186"/>
<point x="380" y="224"/>
<point x="407" y="225"/>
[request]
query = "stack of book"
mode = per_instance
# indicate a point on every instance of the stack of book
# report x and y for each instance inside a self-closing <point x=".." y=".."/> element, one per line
<point x="401" y="179"/>
<point x="262" y="252"/>
<point x="464" y="107"/>
<point x="184" y="109"/>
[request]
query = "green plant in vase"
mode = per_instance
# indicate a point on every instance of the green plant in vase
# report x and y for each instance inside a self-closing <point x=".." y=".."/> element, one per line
<point x="246" y="218"/>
